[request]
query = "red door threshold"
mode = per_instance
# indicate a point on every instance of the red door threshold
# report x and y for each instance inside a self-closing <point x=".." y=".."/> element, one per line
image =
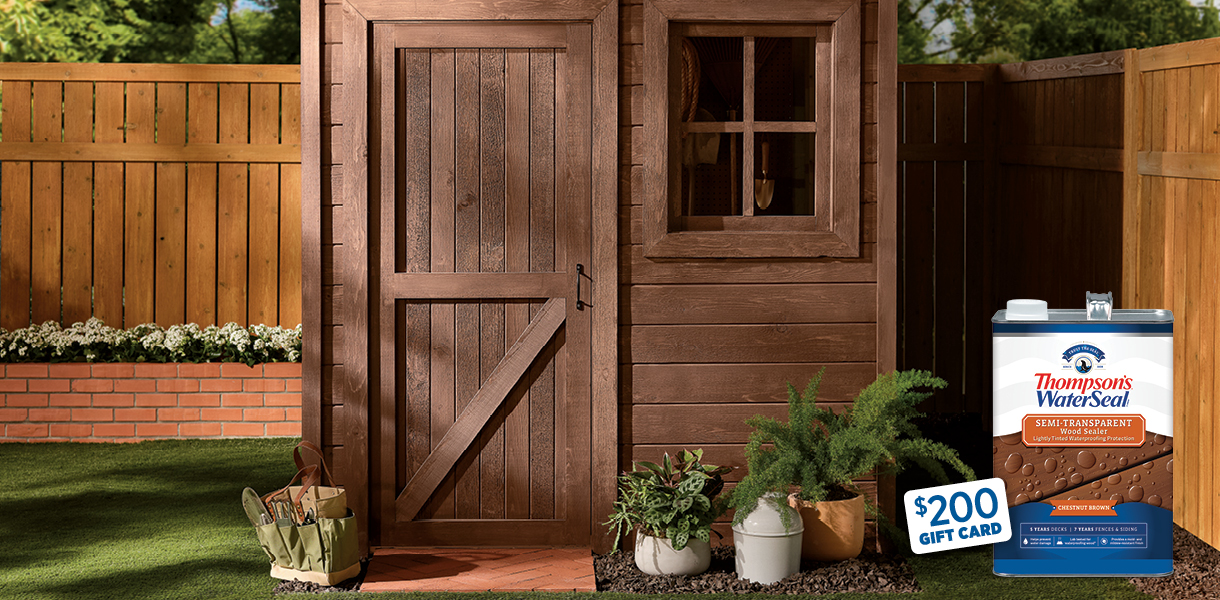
<point x="480" y="570"/>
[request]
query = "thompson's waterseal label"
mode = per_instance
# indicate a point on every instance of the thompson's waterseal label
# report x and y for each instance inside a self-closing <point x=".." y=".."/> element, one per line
<point x="1083" y="424"/>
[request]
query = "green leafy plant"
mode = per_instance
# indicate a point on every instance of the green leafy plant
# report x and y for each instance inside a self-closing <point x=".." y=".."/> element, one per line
<point x="822" y="452"/>
<point x="677" y="499"/>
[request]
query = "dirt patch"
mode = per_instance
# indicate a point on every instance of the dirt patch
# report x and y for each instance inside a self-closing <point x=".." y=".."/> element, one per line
<point x="1194" y="571"/>
<point x="869" y="572"/>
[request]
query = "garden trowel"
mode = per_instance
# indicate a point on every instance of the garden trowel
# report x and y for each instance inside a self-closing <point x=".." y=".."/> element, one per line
<point x="764" y="188"/>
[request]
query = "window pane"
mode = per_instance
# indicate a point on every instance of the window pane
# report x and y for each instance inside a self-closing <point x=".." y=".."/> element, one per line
<point x="711" y="174"/>
<point x="784" y="79"/>
<point x="789" y="172"/>
<point x="718" y="77"/>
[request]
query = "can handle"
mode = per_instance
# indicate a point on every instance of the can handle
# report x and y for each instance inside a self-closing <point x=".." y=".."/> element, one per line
<point x="1098" y="306"/>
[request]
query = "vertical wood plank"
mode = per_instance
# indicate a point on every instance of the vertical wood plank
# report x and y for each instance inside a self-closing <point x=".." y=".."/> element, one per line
<point x="1205" y="349"/>
<point x="413" y="216"/>
<point x="46" y="206"/>
<point x="516" y="259"/>
<point x="171" y="207"/>
<point x="311" y="221"/>
<point x="108" y="210"/>
<point x="201" y="207"/>
<point x="264" y="226"/>
<point x="232" y="223"/>
<point x="15" y="203"/>
<point x="466" y="249"/>
<point x="139" y="235"/>
<point x="949" y="247"/>
<point x="290" y="211"/>
<point x="491" y="260"/>
<point x="920" y="181"/>
<point x="542" y="259"/>
<point x="359" y="360"/>
<point x="442" y="504"/>
<point x="78" y="206"/>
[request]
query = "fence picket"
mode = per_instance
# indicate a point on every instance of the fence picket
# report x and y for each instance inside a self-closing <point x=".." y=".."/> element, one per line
<point x="46" y="206"/>
<point x="264" y="207"/>
<point x="231" y="226"/>
<point x="290" y="211"/>
<point x="78" y="204"/>
<point x="139" y="234"/>
<point x="15" y="202"/>
<point x="108" y="211"/>
<point x="171" y="207"/>
<point x="201" y="208"/>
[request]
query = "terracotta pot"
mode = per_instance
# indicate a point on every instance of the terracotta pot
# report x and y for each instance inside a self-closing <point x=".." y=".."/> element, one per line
<point x="834" y="529"/>
<point x="656" y="556"/>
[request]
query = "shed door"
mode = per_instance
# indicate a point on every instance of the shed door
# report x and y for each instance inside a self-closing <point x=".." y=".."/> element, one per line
<point x="485" y="362"/>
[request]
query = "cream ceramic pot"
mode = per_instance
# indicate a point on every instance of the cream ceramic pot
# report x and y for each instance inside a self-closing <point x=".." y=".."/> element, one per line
<point x="766" y="550"/>
<point x="656" y="556"/>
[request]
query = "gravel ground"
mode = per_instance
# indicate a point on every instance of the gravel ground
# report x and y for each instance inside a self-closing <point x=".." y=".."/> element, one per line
<point x="1194" y="571"/>
<point x="305" y="587"/>
<point x="870" y="572"/>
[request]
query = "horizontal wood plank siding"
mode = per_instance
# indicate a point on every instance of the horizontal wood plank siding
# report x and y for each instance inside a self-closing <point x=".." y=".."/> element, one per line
<point x="729" y="334"/>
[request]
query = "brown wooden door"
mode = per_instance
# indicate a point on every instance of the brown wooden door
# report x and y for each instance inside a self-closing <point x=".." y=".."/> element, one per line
<point x="484" y="182"/>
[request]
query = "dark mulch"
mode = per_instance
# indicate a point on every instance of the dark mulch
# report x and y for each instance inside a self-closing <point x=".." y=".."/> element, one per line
<point x="870" y="572"/>
<point x="1194" y="571"/>
<point x="306" y="587"/>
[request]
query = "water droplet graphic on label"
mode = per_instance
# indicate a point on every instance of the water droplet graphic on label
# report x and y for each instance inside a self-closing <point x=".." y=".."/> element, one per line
<point x="1061" y="483"/>
<point x="1169" y="465"/>
<point x="1148" y="465"/>
<point x="1096" y="484"/>
<point x="1135" y="477"/>
<point x="1114" y="479"/>
<point x="1101" y="465"/>
<point x="1037" y="451"/>
<point x="1013" y="464"/>
<point x="1122" y="462"/>
<point x="1077" y="479"/>
<point x="1158" y="439"/>
<point x="1020" y="499"/>
<point x="1136" y="493"/>
<point x="1086" y="459"/>
<point x="1154" y="500"/>
<point x="1038" y="495"/>
<point x="1011" y="439"/>
<point x="1029" y="487"/>
<point x="1027" y="470"/>
<point x="1117" y="498"/>
<point x="1050" y="465"/>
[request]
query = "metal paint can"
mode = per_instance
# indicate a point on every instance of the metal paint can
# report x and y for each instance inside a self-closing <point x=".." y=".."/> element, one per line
<point x="1083" y="423"/>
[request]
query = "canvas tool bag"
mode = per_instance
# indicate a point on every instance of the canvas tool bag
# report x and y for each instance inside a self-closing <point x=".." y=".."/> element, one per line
<point x="327" y="501"/>
<point x="324" y="550"/>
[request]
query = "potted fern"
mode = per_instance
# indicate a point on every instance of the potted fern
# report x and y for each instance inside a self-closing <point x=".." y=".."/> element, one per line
<point x="672" y="505"/>
<point x="816" y="456"/>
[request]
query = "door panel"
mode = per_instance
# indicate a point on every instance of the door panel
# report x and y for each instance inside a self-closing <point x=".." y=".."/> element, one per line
<point x="486" y="433"/>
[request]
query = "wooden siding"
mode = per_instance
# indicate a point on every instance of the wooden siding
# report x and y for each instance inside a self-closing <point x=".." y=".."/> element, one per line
<point x="1171" y="246"/>
<point x="733" y="332"/>
<point x="121" y="203"/>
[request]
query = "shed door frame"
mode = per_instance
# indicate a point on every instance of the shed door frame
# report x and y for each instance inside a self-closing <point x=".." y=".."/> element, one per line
<point x="360" y="264"/>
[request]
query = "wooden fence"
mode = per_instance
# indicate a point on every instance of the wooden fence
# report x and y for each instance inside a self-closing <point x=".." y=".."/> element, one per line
<point x="1010" y="186"/>
<point x="1171" y="227"/>
<point x="1099" y="173"/>
<point x="150" y="193"/>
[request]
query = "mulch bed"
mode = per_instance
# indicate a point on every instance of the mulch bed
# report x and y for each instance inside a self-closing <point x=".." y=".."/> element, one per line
<point x="869" y="572"/>
<point x="1194" y="571"/>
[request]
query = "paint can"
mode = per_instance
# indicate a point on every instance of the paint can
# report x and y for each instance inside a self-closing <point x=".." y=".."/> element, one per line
<point x="1083" y="423"/>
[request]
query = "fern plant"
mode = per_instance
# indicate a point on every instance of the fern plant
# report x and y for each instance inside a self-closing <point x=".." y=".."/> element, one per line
<point x="822" y="452"/>
<point x="677" y="499"/>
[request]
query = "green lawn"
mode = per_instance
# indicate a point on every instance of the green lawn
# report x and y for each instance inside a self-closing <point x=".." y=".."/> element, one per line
<point x="163" y="520"/>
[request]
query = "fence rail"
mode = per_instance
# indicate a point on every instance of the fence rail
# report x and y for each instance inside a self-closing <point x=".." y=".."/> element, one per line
<point x="150" y="193"/>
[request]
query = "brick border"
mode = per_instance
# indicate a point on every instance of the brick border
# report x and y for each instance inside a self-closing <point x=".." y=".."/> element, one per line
<point x="129" y="402"/>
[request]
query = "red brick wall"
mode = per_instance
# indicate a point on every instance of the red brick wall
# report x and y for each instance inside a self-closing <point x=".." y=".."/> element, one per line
<point x="120" y="402"/>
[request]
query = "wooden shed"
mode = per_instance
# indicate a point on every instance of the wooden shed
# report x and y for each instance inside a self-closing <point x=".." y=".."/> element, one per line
<point x="539" y="243"/>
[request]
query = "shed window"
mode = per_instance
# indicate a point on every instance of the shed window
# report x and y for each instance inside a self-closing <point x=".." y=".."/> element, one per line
<point x="756" y="133"/>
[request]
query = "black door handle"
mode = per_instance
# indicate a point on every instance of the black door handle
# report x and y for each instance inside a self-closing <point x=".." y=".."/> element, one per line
<point x="580" y="274"/>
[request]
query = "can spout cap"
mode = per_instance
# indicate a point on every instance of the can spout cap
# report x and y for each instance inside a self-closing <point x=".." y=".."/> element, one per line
<point x="1098" y="306"/>
<point x="1026" y="310"/>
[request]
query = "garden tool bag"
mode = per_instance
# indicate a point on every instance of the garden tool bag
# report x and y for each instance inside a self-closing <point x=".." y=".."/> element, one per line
<point x="324" y="551"/>
<point x="327" y="501"/>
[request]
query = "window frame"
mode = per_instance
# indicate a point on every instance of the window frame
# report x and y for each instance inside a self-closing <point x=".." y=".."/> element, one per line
<point x="834" y="229"/>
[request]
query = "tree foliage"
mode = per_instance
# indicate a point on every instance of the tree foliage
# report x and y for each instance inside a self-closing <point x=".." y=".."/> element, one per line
<point x="1019" y="30"/>
<point x="149" y="31"/>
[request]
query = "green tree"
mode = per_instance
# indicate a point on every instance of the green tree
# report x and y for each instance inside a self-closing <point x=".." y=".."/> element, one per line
<point x="269" y="35"/>
<point x="152" y="31"/>
<point x="1016" y="30"/>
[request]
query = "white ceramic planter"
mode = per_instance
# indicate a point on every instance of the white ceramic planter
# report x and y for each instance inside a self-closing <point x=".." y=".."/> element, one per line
<point x="656" y="556"/>
<point x="766" y="551"/>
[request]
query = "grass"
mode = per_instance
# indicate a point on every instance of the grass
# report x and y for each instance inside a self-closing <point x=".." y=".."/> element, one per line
<point x="163" y="520"/>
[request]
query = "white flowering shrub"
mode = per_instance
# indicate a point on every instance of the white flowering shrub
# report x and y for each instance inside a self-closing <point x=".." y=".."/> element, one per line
<point x="93" y="341"/>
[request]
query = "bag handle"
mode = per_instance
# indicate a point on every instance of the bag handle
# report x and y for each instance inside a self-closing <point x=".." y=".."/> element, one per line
<point x="311" y="479"/>
<point x="300" y="462"/>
